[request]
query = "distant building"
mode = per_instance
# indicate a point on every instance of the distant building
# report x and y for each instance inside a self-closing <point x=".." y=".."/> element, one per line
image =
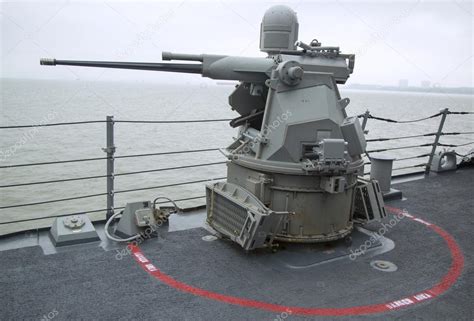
<point x="426" y="84"/>
<point x="403" y="83"/>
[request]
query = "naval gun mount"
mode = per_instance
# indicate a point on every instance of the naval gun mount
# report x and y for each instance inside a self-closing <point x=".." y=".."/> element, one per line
<point x="293" y="172"/>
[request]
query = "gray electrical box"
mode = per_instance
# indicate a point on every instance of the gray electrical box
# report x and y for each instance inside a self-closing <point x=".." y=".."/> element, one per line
<point x="134" y="218"/>
<point x="354" y="136"/>
<point x="332" y="149"/>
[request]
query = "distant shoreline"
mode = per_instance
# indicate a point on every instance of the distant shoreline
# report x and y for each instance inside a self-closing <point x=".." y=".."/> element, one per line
<point x="428" y="90"/>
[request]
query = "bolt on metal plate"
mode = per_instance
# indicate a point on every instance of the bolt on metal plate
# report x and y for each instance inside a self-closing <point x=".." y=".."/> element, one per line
<point x="384" y="266"/>
<point x="209" y="238"/>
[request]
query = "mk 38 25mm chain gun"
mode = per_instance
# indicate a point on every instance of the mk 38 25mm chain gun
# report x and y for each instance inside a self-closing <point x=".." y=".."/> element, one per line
<point x="293" y="172"/>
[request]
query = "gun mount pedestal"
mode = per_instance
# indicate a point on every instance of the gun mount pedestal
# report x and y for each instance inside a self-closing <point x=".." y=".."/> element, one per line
<point x="300" y="163"/>
<point x="313" y="214"/>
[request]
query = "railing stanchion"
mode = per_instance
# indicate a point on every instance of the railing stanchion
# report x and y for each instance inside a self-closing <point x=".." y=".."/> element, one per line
<point x="110" y="150"/>
<point x="366" y="117"/>
<point x="444" y="113"/>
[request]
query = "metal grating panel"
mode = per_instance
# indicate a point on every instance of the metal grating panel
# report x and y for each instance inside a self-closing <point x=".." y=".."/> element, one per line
<point x="239" y="215"/>
<point x="368" y="201"/>
<point x="228" y="215"/>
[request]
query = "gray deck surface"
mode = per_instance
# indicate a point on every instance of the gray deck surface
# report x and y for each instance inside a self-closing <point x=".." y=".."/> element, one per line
<point x="89" y="283"/>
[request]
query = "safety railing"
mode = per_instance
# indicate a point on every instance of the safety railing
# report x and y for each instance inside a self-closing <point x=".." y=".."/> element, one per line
<point x="110" y="158"/>
<point x="437" y="135"/>
<point x="110" y="174"/>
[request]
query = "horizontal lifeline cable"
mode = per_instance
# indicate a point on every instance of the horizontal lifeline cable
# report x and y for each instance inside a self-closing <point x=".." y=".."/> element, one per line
<point x="168" y="168"/>
<point x="192" y="151"/>
<point x="172" y="121"/>
<point x="54" y="201"/>
<point x="102" y="158"/>
<point x="460" y="112"/>
<point x="55" y="162"/>
<point x="91" y="211"/>
<point x="169" y="153"/>
<point x="164" y="202"/>
<point x="104" y="176"/>
<point x="54" y="181"/>
<point x="416" y="136"/>
<point x="411" y="166"/>
<point x="403" y="121"/>
<point x="208" y="121"/>
<point x="51" y="216"/>
<point x="54" y="124"/>
<point x="413" y="120"/>
<point x="404" y="167"/>
<point x="168" y="185"/>
<point x="459" y="145"/>
<point x="404" y="158"/>
<point x="401" y="137"/>
<point x="466" y="155"/>
<point x="411" y="157"/>
<point x="457" y="133"/>
<point x="117" y="121"/>
<point x="395" y="148"/>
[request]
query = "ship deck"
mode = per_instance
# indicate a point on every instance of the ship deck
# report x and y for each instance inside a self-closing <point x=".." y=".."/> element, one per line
<point x="181" y="276"/>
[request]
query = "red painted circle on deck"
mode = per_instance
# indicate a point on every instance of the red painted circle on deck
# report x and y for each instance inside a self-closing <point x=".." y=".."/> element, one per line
<point x="444" y="284"/>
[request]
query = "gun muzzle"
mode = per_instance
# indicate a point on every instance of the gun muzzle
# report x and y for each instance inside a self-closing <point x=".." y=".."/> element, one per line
<point x="48" y="62"/>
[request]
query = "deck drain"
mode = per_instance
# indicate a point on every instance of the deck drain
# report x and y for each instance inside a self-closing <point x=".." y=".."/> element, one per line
<point x="384" y="266"/>
<point x="209" y="238"/>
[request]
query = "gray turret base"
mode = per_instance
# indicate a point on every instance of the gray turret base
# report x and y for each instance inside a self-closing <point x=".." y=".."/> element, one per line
<point x="393" y="194"/>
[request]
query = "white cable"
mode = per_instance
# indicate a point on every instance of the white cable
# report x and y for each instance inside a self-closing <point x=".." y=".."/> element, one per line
<point x="113" y="238"/>
<point x="177" y="209"/>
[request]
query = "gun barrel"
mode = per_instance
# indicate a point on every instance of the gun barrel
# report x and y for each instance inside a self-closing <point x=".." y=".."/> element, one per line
<point x="170" y="67"/>
<point x="166" y="55"/>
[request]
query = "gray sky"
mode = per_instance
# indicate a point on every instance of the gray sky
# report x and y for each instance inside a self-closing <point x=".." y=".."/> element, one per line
<point x="392" y="40"/>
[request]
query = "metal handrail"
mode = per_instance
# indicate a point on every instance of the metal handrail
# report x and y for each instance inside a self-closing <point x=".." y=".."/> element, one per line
<point x="116" y="157"/>
<point x="104" y="176"/>
<point x="53" y="201"/>
<point x="446" y="111"/>
<point x="397" y="148"/>
<point x="53" y="181"/>
<point x="90" y="211"/>
<point x="454" y="145"/>
<point x="111" y="157"/>
<point x="172" y="121"/>
<point x="117" y="121"/>
<point x="54" y="162"/>
<point x="404" y="167"/>
<point x="169" y="153"/>
<point x="54" y="124"/>
<point x="367" y="114"/>
<point x="169" y="168"/>
<point x="416" y="136"/>
<point x="405" y="158"/>
<point x="167" y="185"/>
